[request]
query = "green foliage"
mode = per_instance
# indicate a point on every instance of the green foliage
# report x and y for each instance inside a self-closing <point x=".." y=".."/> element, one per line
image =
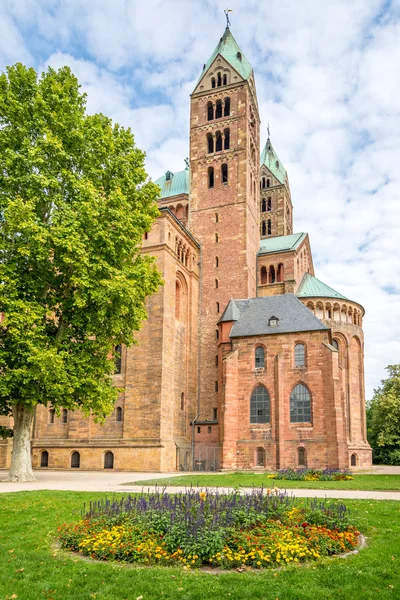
<point x="74" y="205"/>
<point x="383" y="419"/>
<point x="5" y="432"/>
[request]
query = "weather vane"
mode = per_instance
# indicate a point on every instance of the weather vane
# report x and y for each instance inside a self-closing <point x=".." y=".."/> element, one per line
<point x="268" y="129"/>
<point x="227" y="11"/>
<point x="187" y="162"/>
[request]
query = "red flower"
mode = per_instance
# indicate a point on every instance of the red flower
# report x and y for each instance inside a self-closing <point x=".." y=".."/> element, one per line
<point x="304" y="524"/>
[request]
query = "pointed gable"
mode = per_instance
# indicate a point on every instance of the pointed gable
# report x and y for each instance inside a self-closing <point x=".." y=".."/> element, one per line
<point x="230" y="51"/>
<point x="270" y="159"/>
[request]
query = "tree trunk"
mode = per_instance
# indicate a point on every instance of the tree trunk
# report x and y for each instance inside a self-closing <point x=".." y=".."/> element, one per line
<point x="21" y="461"/>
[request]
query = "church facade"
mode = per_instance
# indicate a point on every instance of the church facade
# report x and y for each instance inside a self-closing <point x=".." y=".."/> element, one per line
<point x="247" y="360"/>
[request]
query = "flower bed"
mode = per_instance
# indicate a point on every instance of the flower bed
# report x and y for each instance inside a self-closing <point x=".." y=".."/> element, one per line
<point x="311" y="475"/>
<point x="262" y="529"/>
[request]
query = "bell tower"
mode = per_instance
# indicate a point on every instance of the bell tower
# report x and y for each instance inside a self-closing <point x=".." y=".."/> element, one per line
<point x="224" y="203"/>
<point x="276" y="209"/>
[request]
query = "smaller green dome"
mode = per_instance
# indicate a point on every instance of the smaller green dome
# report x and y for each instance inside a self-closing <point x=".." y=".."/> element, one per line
<point x="173" y="184"/>
<point x="311" y="287"/>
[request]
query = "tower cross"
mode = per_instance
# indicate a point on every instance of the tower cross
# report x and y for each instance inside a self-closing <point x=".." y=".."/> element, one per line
<point x="268" y="130"/>
<point x="227" y="11"/>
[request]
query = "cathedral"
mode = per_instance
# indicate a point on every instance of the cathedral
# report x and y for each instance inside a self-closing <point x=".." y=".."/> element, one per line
<point x="247" y="360"/>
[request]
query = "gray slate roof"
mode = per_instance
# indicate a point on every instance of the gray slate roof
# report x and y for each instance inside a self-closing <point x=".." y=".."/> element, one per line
<point x="251" y="316"/>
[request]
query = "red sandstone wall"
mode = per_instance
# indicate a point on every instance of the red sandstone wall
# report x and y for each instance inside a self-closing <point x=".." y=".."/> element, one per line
<point x="228" y="210"/>
<point x="281" y="439"/>
<point x="153" y="375"/>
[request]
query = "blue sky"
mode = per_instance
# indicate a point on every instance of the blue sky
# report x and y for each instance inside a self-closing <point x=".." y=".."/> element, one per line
<point x="327" y="76"/>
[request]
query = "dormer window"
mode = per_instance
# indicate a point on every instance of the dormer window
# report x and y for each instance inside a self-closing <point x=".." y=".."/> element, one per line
<point x="273" y="321"/>
<point x="277" y="164"/>
<point x="239" y="55"/>
<point x="168" y="176"/>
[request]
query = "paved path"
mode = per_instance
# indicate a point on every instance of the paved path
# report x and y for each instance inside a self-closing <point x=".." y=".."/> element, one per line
<point x="98" y="481"/>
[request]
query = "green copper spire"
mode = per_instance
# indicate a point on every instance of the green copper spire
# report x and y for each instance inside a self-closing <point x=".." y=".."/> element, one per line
<point x="230" y="51"/>
<point x="270" y="159"/>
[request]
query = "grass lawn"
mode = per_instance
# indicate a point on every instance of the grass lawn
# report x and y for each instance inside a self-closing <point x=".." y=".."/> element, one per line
<point x="31" y="569"/>
<point x="360" y="482"/>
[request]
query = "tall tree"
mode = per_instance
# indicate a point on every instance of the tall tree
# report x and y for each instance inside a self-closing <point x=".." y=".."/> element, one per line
<point x="383" y="418"/>
<point x="74" y="205"/>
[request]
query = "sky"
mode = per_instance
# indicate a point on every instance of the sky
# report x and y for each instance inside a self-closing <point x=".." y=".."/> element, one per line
<point x="328" y="83"/>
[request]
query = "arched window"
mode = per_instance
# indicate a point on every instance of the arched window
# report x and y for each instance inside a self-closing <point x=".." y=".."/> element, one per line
<point x="52" y="414"/>
<point x="64" y="415"/>
<point x="118" y="359"/>
<point x="216" y="237"/>
<point x="218" y="109"/>
<point x="218" y="141"/>
<point x="269" y="205"/>
<point x="178" y="300"/>
<point x="210" y="111"/>
<point x="226" y="139"/>
<point x="301" y="457"/>
<point x="263" y="205"/>
<point x="224" y="173"/>
<point x="219" y="80"/>
<point x="216" y="360"/>
<point x="280" y="275"/>
<point x="227" y="107"/>
<point x="109" y="460"/>
<point x="216" y="386"/>
<point x="216" y="334"/>
<point x="259" y="357"/>
<point x="44" y="459"/>
<point x="119" y="413"/>
<point x="213" y="82"/>
<point x="210" y="177"/>
<point x="260" y="458"/>
<point x="300" y="404"/>
<point x="75" y="460"/>
<point x="217" y="306"/>
<point x="353" y="461"/>
<point x="209" y="430"/>
<point x="260" y="405"/>
<point x="299" y="355"/>
<point x="268" y="183"/>
<point x="263" y="228"/>
<point x="216" y="261"/>
<point x="225" y="79"/>
<point x="216" y="283"/>
<point x="269" y="227"/>
<point x="272" y="274"/>
<point x="263" y="183"/>
<point x="210" y="143"/>
<point x="264" y="275"/>
<point x="182" y="400"/>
